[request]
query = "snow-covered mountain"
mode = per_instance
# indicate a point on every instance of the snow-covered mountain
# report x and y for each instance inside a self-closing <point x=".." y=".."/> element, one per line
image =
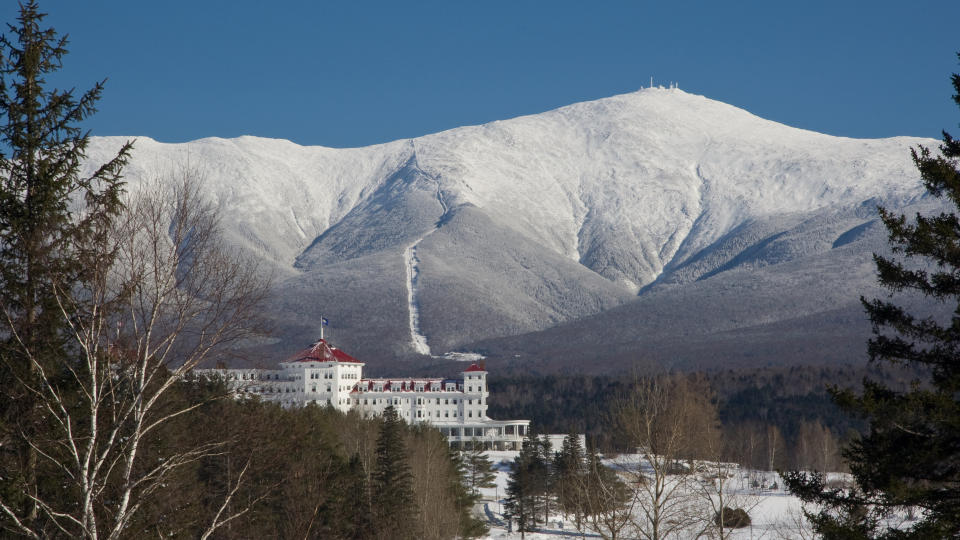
<point x="484" y="232"/>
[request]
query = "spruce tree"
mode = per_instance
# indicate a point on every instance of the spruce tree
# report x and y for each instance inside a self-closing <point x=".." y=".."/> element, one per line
<point x="910" y="455"/>
<point x="392" y="502"/>
<point x="569" y="467"/>
<point x="527" y="478"/>
<point x="543" y="472"/>
<point x="479" y="469"/>
<point x="351" y="511"/>
<point x="465" y="498"/>
<point x="52" y="224"/>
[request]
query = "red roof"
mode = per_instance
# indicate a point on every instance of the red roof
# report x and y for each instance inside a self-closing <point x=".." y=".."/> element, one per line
<point x="474" y="367"/>
<point x="322" y="352"/>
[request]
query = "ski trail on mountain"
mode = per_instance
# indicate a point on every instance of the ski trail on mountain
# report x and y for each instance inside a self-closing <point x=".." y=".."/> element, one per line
<point x="412" y="266"/>
<point x="411" y="263"/>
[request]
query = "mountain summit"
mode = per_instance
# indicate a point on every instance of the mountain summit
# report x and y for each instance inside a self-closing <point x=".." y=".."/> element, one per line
<point x="611" y="209"/>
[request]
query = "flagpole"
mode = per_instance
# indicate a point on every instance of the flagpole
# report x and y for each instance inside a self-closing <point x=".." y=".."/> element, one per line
<point x="321" y="326"/>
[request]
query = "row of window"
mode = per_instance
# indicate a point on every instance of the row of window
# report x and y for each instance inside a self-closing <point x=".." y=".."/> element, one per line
<point x="481" y="431"/>
<point x="446" y="414"/>
<point x="313" y="388"/>
<point x="253" y="376"/>
<point x="446" y="401"/>
<point x="399" y="387"/>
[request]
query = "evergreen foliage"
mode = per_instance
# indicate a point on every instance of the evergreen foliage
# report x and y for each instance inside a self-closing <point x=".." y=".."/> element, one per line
<point x="309" y="475"/>
<point x="910" y="455"/>
<point x="393" y="504"/>
<point x="464" y="497"/>
<point x="528" y="478"/>
<point x="478" y="471"/>
<point x="569" y="469"/>
<point x="46" y="245"/>
<point x="350" y="513"/>
<point x="604" y="492"/>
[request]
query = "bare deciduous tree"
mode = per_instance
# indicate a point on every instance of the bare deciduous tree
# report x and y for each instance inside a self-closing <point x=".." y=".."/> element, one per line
<point x="774" y="446"/>
<point x="717" y="485"/>
<point x="816" y="448"/>
<point x="607" y="502"/>
<point x="670" y="420"/>
<point x="165" y="294"/>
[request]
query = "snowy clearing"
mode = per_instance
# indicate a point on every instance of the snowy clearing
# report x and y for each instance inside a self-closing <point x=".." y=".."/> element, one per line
<point x="775" y="513"/>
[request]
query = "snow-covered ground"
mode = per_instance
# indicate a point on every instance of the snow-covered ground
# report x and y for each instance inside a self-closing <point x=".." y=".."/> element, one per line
<point x="774" y="512"/>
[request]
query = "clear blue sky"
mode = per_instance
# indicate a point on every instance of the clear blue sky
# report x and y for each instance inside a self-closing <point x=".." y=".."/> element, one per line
<point x="354" y="72"/>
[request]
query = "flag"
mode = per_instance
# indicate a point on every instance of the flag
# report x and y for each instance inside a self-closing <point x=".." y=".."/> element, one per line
<point x="324" y="322"/>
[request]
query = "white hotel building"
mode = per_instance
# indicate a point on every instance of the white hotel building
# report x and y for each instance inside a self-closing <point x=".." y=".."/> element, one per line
<point x="327" y="376"/>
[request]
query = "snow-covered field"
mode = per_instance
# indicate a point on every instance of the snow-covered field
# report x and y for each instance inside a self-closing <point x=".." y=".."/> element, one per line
<point x="774" y="512"/>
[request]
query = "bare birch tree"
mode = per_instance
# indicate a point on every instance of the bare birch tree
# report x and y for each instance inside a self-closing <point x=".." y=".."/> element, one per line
<point x="774" y="446"/>
<point x="165" y="294"/>
<point x="666" y="422"/>
<point x="727" y="507"/>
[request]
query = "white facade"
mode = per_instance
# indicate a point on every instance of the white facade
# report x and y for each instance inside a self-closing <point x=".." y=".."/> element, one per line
<point x="327" y="376"/>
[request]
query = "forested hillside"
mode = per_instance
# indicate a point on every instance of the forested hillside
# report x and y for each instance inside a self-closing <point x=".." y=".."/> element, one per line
<point x="749" y="403"/>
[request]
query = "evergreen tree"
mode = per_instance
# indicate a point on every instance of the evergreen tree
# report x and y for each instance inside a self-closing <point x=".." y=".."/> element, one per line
<point x="350" y="515"/>
<point x="479" y="471"/>
<point x="465" y="497"/>
<point x="569" y="467"/>
<point x="392" y="499"/>
<point x="910" y="455"/>
<point x="46" y="245"/>
<point x="543" y="472"/>
<point x="605" y="497"/>
<point x="523" y="488"/>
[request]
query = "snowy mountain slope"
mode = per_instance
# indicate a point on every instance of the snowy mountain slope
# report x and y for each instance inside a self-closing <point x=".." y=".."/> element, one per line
<point x="805" y="310"/>
<point x="523" y="224"/>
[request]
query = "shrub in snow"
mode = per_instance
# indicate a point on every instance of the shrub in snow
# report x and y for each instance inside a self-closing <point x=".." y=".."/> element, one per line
<point x="732" y="518"/>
